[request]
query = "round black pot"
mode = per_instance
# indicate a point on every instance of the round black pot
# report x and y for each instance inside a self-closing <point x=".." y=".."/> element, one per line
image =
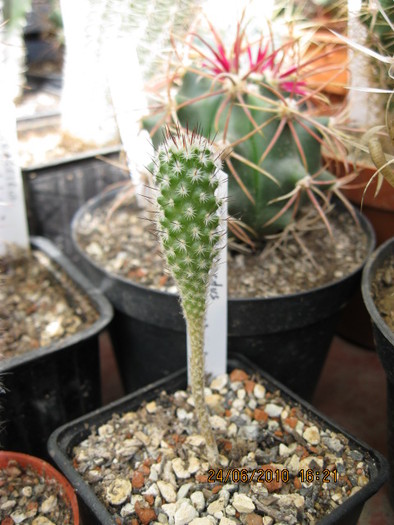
<point x="287" y="336"/>
<point x="384" y="342"/>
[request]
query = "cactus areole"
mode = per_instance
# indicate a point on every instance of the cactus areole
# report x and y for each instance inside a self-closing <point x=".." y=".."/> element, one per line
<point x="189" y="226"/>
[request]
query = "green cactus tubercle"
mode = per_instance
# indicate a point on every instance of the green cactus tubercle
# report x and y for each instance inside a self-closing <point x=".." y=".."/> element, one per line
<point x="186" y="179"/>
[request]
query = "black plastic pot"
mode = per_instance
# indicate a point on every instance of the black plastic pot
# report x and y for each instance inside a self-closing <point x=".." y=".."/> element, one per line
<point x="63" y="440"/>
<point x="384" y="342"/>
<point x="54" y="191"/>
<point x="288" y="336"/>
<point x="49" y="386"/>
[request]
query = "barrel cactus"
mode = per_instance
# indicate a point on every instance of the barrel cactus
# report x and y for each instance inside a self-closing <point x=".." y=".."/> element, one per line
<point x="189" y="227"/>
<point x="254" y="97"/>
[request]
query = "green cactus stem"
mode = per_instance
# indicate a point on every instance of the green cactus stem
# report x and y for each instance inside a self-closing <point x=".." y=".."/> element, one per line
<point x="185" y="174"/>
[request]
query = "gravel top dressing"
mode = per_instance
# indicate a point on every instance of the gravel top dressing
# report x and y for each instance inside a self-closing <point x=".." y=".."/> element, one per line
<point x="29" y="498"/>
<point x="41" y="304"/>
<point x="124" y="244"/>
<point x="278" y="465"/>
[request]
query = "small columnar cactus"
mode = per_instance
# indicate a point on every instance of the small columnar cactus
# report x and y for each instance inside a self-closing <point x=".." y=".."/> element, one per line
<point x="189" y="223"/>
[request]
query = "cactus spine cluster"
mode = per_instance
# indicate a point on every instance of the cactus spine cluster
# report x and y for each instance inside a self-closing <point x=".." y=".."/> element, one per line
<point x="185" y="175"/>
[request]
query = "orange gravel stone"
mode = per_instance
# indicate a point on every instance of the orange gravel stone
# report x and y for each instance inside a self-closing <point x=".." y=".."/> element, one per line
<point x="297" y="483"/>
<point x="150" y="499"/>
<point x="145" y="514"/>
<point x="201" y="478"/>
<point x="249" y="386"/>
<point x="216" y="489"/>
<point x="238" y="375"/>
<point x="291" y="422"/>
<point x="260" y="415"/>
<point x="138" y="480"/>
<point x="254" y="519"/>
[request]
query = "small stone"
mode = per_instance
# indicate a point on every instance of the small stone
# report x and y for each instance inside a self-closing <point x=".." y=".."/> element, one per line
<point x="214" y="400"/>
<point x="238" y="375"/>
<point x="254" y="519"/>
<point x="260" y="415"/>
<point x="206" y="520"/>
<point x="267" y="520"/>
<point x="230" y="511"/>
<point x="249" y="432"/>
<point x="105" y="430"/>
<point x="169" y="509"/>
<point x="259" y="391"/>
<point x="195" y="440"/>
<point x="145" y="514"/>
<point x="227" y="521"/>
<point x="118" y="491"/>
<point x="42" y="520"/>
<point x="48" y="505"/>
<point x="216" y="507"/>
<point x="284" y="451"/>
<point x="27" y="491"/>
<point x="312" y="435"/>
<point x="127" y="510"/>
<point x="198" y="500"/>
<point x="185" y="513"/>
<point x="183" y="490"/>
<point x="179" y="469"/>
<point x="243" y="503"/>
<point x="241" y="393"/>
<point x="311" y="462"/>
<point x="167" y="491"/>
<point x="18" y="516"/>
<point x="151" y="407"/>
<point x="362" y="480"/>
<point x="334" y="444"/>
<point x="8" y="505"/>
<point x="273" y="410"/>
<point x="137" y="480"/>
<point x="218" y="423"/>
<point x="219" y="382"/>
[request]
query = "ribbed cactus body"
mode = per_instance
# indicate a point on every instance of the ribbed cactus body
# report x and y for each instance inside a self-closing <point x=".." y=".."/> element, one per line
<point x="283" y="162"/>
<point x="186" y="179"/>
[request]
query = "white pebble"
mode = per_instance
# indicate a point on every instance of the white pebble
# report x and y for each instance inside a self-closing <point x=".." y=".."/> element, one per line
<point x="118" y="491"/>
<point x="185" y="513"/>
<point x="243" y="503"/>
<point x="167" y="491"/>
<point x="259" y="391"/>
<point x="218" y="423"/>
<point x="312" y="435"/>
<point x="273" y="410"/>
<point x="48" y="505"/>
<point x="219" y="382"/>
<point x="198" y="500"/>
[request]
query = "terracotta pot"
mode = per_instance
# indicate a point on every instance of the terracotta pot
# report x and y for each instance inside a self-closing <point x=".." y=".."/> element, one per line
<point x="331" y="68"/>
<point x="44" y="469"/>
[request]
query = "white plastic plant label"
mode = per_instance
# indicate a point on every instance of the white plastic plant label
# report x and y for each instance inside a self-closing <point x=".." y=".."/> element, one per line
<point x="13" y="222"/>
<point x="215" y="347"/>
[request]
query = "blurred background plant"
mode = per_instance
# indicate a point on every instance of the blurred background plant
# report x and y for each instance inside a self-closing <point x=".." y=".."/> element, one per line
<point x="12" y="21"/>
<point x="253" y="95"/>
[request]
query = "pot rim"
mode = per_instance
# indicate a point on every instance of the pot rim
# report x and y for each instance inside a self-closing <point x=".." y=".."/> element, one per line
<point x="373" y="263"/>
